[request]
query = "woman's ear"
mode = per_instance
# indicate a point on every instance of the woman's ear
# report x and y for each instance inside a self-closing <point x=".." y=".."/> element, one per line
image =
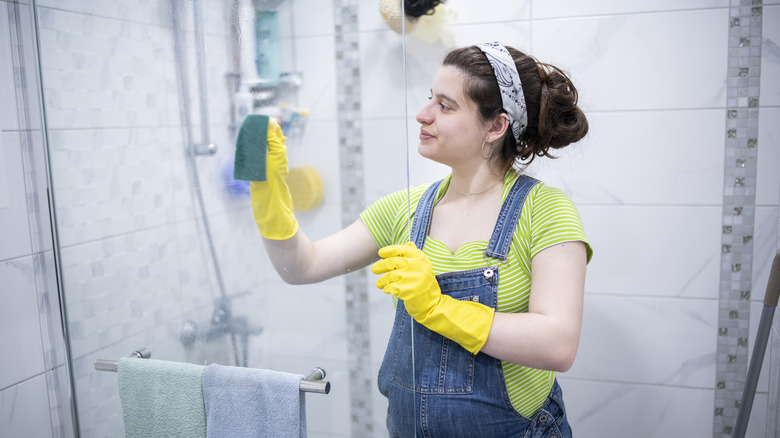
<point x="497" y="127"/>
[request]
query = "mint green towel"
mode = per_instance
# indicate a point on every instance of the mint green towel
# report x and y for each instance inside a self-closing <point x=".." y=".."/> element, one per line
<point x="251" y="149"/>
<point x="161" y="398"/>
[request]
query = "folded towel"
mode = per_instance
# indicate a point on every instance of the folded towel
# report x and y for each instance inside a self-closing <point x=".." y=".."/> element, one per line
<point x="251" y="149"/>
<point x="161" y="398"/>
<point x="251" y="402"/>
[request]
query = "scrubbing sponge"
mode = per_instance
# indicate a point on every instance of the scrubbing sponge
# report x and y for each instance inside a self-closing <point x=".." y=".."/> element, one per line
<point x="251" y="149"/>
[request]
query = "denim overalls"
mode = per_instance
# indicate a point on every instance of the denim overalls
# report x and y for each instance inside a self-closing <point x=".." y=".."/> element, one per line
<point x="435" y="387"/>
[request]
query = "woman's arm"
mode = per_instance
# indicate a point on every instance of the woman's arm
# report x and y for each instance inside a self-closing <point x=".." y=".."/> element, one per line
<point x="298" y="260"/>
<point x="548" y="335"/>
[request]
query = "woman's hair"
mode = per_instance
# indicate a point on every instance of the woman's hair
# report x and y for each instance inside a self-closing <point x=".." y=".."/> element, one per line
<point x="418" y="8"/>
<point x="554" y="119"/>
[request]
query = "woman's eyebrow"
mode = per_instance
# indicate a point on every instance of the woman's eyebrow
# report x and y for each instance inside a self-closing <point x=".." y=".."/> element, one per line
<point x="446" y="97"/>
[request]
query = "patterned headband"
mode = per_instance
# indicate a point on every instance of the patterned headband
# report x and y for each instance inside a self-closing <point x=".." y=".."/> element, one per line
<point x="509" y="83"/>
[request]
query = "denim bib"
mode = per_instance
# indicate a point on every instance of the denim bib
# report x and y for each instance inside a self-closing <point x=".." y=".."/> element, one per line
<point x="435" y="387"/>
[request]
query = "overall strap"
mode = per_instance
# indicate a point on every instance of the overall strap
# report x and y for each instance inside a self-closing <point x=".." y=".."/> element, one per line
<point x="498" y="247"/>
<point x="422" y="216"/>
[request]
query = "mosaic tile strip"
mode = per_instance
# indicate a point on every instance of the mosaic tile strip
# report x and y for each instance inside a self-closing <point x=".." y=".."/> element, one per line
<point x="352" y="203"/>
<point x="739" y="197"/>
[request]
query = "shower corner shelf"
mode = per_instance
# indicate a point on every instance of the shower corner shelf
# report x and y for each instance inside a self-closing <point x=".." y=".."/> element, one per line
<point x="264" y="91"/>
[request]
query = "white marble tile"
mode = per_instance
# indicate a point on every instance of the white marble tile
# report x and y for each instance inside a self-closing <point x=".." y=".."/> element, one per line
<point x="369" y="18"/>
<point x="633" y="250"/>
<point x="8" y="111"/>
<point x="314" y="56"/>
<point x="770" y="56"/>
<point x="305" y="320"/>
<point x="635" y="62"/>
<point x="612" y="410"/>
<point x="313" y="17"/>
<point x="647" y="158"/>
<point x="656" y="341"/>
<point x="758" y="421"/>
<point x="573" y="8"/>
<point x="765" y="237"/>
<point x="385" y="153"/>
<point x="24" y="409"/>
<point x="14" y="219"/>
<point x="21" y="330"/>
<point x="768" y="171"/>
<point x="382" y="78"/>
<point x="496" y="11"/>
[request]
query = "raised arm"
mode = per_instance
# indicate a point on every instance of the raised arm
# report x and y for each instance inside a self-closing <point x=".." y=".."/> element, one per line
<point x="300" y="261"/>
<point x="295" y="257"/>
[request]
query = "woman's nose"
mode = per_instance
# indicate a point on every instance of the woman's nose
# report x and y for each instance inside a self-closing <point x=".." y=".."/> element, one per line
<point x="424" y="116"/>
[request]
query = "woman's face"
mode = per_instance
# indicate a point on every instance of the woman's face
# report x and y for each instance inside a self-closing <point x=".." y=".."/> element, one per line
<point x="451" y="132"/>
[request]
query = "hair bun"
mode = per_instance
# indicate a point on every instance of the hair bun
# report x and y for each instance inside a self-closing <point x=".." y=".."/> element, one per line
<point x="561" y="121"/>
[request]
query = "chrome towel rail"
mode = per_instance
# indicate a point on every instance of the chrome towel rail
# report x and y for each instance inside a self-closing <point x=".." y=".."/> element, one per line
<point x="311" y="383"/>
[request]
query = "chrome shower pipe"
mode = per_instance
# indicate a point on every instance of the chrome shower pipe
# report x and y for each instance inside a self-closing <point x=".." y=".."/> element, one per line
<point x="205" y="147"/>
<point x="181" y="70"/>
<point x="185" y="95"/>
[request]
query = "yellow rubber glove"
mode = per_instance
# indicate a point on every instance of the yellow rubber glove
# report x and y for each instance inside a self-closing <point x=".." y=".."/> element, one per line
<point x="271" y="199"/>
<point x="408" y="275"/>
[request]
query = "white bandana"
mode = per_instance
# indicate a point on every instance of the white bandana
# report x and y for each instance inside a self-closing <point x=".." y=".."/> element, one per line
<point x="509" y="83"/>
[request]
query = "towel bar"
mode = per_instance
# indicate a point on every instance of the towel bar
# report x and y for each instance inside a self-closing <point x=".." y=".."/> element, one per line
<point x="311" y="383"/>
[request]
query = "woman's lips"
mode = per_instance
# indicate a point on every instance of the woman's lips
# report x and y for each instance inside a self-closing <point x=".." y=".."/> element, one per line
<point x="425" y="136"/>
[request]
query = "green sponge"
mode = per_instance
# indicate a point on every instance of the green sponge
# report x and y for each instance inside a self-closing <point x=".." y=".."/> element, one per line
<point x="251" y="149"/>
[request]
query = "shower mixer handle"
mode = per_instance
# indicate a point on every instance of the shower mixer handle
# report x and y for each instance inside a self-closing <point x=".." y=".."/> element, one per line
<point x="204" y="149"/>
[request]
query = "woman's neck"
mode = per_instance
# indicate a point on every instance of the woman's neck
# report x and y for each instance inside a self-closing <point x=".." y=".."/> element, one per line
<point x="476" y="184"/>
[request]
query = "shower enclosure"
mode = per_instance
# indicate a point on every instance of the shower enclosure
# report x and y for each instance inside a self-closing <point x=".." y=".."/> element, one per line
<point x="156" y="247"/>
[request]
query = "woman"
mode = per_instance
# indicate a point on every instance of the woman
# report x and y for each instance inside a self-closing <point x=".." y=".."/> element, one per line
<point x="492" y="267"/>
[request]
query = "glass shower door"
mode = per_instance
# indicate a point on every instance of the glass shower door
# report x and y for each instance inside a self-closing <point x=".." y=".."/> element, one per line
<point x="157" y="245"/>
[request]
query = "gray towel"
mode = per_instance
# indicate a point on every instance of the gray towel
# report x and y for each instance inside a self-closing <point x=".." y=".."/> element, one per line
<point x="161" y="398"/>
<point x="251" y="402"/>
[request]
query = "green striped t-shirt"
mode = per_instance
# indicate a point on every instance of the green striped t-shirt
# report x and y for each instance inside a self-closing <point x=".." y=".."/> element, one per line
<point x="548" y="218"/>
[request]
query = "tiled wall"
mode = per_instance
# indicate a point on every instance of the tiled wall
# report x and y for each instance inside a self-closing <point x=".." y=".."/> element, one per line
<point x="649" y="182"/>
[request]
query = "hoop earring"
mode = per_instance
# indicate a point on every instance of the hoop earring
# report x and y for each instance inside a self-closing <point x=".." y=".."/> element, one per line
<point x="482" y="147"/>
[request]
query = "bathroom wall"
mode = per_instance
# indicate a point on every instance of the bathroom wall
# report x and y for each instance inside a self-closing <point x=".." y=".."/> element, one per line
<point x="649" y="181"/>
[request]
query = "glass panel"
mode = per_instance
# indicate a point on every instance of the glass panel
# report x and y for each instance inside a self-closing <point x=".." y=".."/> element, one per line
<point x="157" y="241"/>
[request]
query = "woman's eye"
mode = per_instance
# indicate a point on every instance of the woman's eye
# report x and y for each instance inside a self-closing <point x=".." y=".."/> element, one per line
<point x="443" y="106"/>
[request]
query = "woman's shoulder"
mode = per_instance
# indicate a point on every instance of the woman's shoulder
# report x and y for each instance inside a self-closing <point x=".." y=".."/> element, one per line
<point x="542" y="193"/>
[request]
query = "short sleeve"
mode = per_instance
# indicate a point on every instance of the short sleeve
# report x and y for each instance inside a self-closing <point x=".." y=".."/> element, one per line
<point x="554" y="220"/>
<point x="388" y="219"/>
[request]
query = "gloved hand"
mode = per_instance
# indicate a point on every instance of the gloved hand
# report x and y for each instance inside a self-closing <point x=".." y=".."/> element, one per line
<point x="408" y="274"/>
<point x="271" y="199"/>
